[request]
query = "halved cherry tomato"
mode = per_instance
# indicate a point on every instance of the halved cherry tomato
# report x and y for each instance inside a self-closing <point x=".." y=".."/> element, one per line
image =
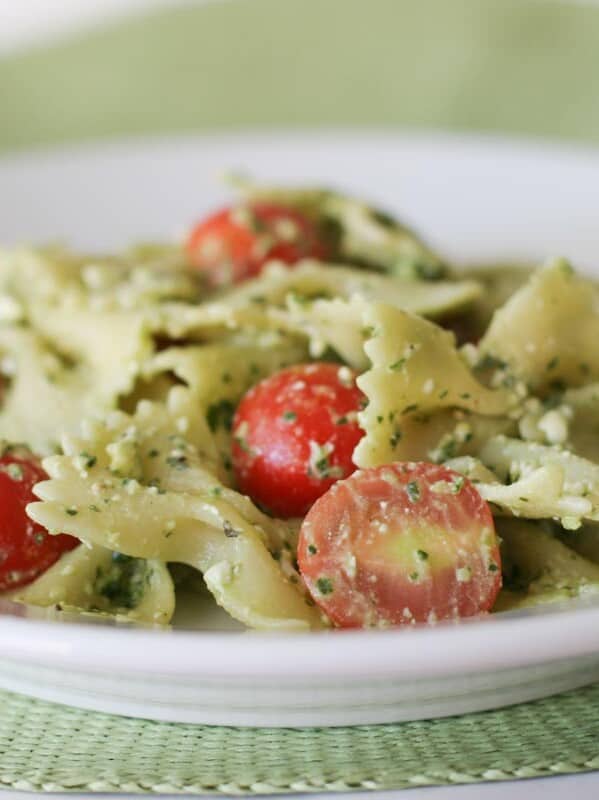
<point x="235" y="243"/>
<point x="294" y="434"/>
<point x="400" y="544"/>
<point x="26" y="548"/>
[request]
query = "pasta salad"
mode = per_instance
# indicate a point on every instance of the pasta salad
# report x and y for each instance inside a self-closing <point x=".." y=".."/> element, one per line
<point x="307" y="406"/>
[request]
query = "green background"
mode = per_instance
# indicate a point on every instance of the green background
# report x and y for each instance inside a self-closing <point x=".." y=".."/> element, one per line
<point x="516" y="66"/>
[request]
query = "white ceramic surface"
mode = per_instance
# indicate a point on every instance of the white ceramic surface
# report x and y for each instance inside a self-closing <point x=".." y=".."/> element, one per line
<point x="476" y="200"/>
<point x="579" y="786"/>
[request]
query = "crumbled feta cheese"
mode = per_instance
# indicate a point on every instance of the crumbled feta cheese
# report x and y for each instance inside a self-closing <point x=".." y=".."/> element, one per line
<point x="463" y="574"/>
<point x="555" y="426"/>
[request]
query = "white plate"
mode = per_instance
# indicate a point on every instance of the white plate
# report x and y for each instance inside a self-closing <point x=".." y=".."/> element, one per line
<point x="475" y="200"/>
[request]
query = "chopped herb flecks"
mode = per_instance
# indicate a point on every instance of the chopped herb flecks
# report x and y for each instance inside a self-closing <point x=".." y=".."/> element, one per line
<point x="395" y="438"/>
<point x="324" y="585"/>
<point x="413" y="491"/>
<point x="177" y="462"/>
<point x="458" y="484"/>
<point x="89" y="461"/>
<point x="409" y="409"/>
<point x="124" y="581"/>
<point x="14" y="471"/>
<point x="397" y="365"/>
<point x="319" y="464"/>
<point x="490" y="362"/>
<point x="220" y="415"/>
<point x="229" y="530"/>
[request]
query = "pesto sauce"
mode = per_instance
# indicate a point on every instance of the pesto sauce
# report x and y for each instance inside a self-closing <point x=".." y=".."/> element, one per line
<point x="124" y="582"/>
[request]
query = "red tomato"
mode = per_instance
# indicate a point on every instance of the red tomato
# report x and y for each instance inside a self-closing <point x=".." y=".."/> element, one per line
<point x="234" y="244"/>
<point x="26" y="549"/>
<point x="400" y="544"/>
<point x="294" y="435"/>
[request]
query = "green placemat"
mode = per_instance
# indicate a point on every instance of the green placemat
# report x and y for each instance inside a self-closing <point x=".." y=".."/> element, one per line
<point x="517" y="66"/>
<point x="49" y="747"/>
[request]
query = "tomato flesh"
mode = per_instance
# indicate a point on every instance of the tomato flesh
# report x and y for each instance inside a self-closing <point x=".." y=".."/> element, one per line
<point x="400" y="544"/>
<point x="26" y="548"/>
<point x="294" y="436"/>
<point x="233" y="245"/>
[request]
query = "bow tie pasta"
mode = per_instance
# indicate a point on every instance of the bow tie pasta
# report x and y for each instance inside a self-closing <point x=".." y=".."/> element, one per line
<point x="296" y="345"/>
<point x="149" y="495"/>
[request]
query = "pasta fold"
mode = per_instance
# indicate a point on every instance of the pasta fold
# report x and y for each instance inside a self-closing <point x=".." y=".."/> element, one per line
<point x="416" y="380"/>
<point x="94" y="579"/>
<point x="543" y="331"/>
<point x="149" y="495"/>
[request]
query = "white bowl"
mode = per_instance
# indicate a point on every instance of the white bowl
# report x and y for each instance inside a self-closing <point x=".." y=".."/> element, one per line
<point x="474" y="199"/>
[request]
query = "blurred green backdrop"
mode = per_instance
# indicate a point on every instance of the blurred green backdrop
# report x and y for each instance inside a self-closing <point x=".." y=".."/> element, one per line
<point x="516" y="66"/>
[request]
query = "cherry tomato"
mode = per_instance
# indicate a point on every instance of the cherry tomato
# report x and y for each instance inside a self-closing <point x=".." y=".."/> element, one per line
<point x="400" y="544"/>
<point x="294" y="434"/>
<point x="26" y="549"/>
<point x="234" y="244"/>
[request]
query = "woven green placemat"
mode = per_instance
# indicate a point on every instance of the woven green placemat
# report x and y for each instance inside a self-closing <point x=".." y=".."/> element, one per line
<point x="53" y="748"/>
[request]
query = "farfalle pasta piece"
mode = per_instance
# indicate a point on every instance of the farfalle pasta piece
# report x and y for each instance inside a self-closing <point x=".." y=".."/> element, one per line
<point x="361" y="232"/>
<point x="80" y="371"/>
<point x="149" y="495"/>
<point x="543" y="331"/>
<point x="223" y="371"/>
<point x="94" y="579"/>
<point x="56" y="276"/>
<point x="540" y="492"/>
<point x="219" y="373"/>
<point x="572" y="497"/>
<point x="539" y="568"/>
<point x="254" y="303"/>
<point x="335" y="324"/>
<point x="416" y="382"/>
